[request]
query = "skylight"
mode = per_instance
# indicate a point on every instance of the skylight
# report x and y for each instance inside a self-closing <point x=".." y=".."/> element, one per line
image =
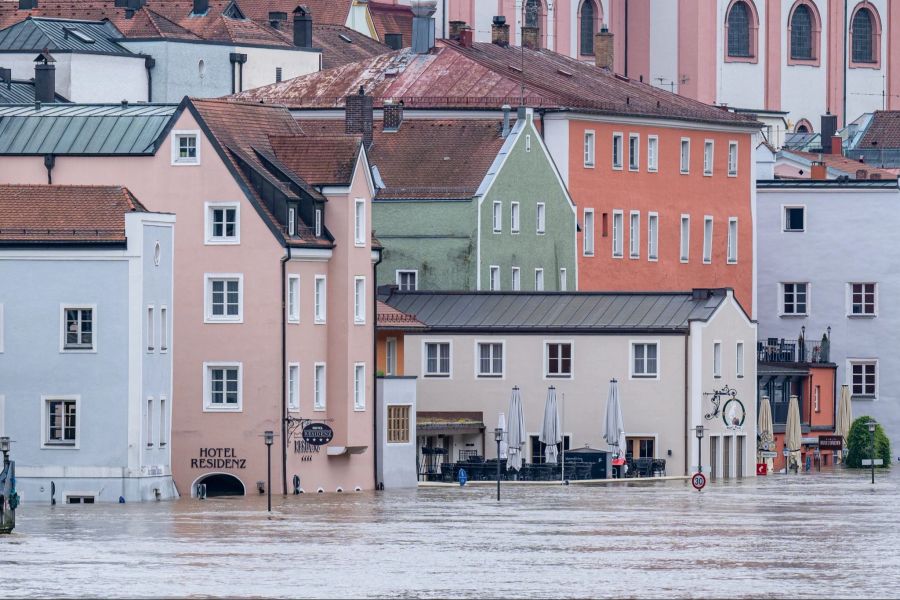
<point x="78" y="35"/>
<point x="345" y="38"/>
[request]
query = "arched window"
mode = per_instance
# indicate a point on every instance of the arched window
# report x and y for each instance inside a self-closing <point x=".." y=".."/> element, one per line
<point x="533" y="13"/>
<point x="863" y="31"/>
<point x="739" y="30"/>
<point x="588" y="27"/>
<point x="802" y="46"/>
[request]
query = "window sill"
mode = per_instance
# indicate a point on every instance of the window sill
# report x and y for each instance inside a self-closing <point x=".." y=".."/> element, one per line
<point x="218" y="321"/>
<point x="359" y="409"/>
<point x="437" y="376"/>
<point x="794" y="315"/>
<point x="731" y="262"/>
<point x="222" y="409"/>
<point x="802" y="62"/>
<point x="652" y="170"/>
<point x="223" y="242"/>
<point x="589" y="254"/>
<point x="634" y="169"/>
<point x="619" y="168"/>
<point x="59" y="446"/>
<point x="863" y="397"/>
<point x="685" y="172"/>
<point x="185" y="163"/>
<point x="589" y="166"/>
<point x="319" y="409"/>
<point x="793" y="231"/>
<point x="319" y="322"/>
<point x="293" y="321"/>
<point x="489" y="376"/>
<point x="634" y="256"/>
<point x="646" y="377"/>
<point x="876" y="65"/>
<point x="741" y="59"/>
<point x="65" y="350"/>
<point x="359" y="322"/>
<point x="707" y="174"/>
<point x="732" y="174"/>
<point x="862" y="316"/>
<point x="558" y="376"/>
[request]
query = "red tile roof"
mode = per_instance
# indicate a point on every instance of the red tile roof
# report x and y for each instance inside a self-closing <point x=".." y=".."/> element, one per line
<point x="392" y="18"/>
<point x="331" y="12"/>
<point x="389" y="317"/>
<point x="64" y="213"/>
<point x="488" y="76"/>
<point x="337" y="51"/>
<point x="845" y="165"/>
<point x="319" y="160"/>
<point x="883" y="131"/>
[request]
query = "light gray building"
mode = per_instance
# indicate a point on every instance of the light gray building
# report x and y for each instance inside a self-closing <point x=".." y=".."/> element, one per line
<point x="85" y="343"/>
<point x="825" y="261"/>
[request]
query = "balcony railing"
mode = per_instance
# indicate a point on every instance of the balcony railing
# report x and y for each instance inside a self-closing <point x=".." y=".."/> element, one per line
<point x="781" y="350"/>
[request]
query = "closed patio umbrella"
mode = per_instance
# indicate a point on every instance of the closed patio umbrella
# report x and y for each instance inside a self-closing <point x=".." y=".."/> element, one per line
<point x="765" y="429"/>
<point x="515" y="436"/>
<point x="501" y="425"/>
<point x="551" y="432"/>
<point x="844" y="414"/>
<point x="792" y="433"/>
<point x="614" y="431"/>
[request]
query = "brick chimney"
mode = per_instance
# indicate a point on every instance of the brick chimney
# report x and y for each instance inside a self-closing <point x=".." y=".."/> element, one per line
<point x="862" y="174"/>
<point x="500" y="31"/>
<point x="818" y="170"/>
<point x="531" y="37"/>
<point x="455" y="29"/>
<point x="303" y="27"/>
<point x="44" y="78"/>
<point x="393" y="115"/>
<point x="837" y="145"/>
<point x="604" y="52"/>
<point x="358" y="116"/>
<point x="465" y="37"/>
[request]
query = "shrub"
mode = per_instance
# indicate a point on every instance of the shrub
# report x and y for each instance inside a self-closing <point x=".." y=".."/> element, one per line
<point x="859" y="440"/>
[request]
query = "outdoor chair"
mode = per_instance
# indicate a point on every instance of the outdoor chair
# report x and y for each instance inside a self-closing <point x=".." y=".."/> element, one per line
<point x="659" y="467"/>
<point x="644" y="467"/>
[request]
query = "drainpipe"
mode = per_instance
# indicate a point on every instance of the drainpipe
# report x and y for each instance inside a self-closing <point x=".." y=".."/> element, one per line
<point x="687" y="437"/>
<point x="625" y="57"/>
<point x="284" y="441"/>
<point x="375" y="412"/>
<point x="844" y="112"/>
<point x="149" y="63"/>
<point x="49" y="162"/>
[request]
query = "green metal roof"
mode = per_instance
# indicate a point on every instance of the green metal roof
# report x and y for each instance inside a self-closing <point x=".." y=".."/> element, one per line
<point x="62" y="35"/>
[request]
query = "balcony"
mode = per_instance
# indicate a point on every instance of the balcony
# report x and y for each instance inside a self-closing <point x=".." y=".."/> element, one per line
<point x="800" y="351"/>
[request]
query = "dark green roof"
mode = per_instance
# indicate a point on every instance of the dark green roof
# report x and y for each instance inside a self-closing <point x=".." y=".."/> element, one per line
<point x="62" y="35"/>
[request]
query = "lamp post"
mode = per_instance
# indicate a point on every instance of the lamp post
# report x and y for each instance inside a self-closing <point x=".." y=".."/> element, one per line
<point x="270" y="439"/>
<point x="699" y="432"/>
<point x="498" y="437"/>
<point x="4" y="449"/>
<point x="872" y="424"/>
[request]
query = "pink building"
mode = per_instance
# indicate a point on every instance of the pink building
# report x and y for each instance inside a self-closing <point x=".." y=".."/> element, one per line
<point x="274" y="291"/>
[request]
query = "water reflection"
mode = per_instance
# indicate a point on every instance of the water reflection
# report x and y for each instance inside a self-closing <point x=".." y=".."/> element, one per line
<point x="828" y="534"/>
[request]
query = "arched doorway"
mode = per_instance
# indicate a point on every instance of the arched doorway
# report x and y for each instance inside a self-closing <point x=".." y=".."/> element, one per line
<point x="219" y="484"/>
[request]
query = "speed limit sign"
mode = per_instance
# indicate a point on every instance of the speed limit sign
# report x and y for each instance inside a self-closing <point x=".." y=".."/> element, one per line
<point x="698" y="480"/>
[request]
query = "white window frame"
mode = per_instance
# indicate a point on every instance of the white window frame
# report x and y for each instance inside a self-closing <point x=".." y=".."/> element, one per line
<point x="708" y="232"/>
<point x="359" y="387"/>
<point x="359" y="300"/>
<point x="176" y="136"/>
<point x="149" y="422"/>
<point x="732" y="248"/>
<point x="709" y="155"/>
<point x="732" y="158"/>
<point x="717" y="359"/>
<point x="634" y="159"/>
<point x="634" y="234"/>
<point x="437" y="375"/>
<point x="293" y="298"/>
<point x="653" y="236"/>
<point x="477" y="367"/>
<point x="514" y="218"/>
<point x="151" y="329"/>
<point x="618" y="234"/>
<point x="632" y="346"/>
<point x="590" y="140"/>
<point x="494" y="278"/>
<point x="563" y="279"/>
<point x="212" y="240"/>
<point x="739" y="359"/>
<point x="539" y="278"/>
<point x="781" y="302"/>
<point x="546" y="360"/>
<point x="784" y="219"/>
<point x="359" y="223"/>
<point x="390" y="356"/>
<point x="397" y="278"/>
<point x="318" y="222"/>
<point x="684" y="159"/>
<point x="541" y="217"/>
<point x="163" y="328"/>
<point x="684" y="247"/>
<point x="208" y="317"/>
<point x="46" y="444"/>
<point x="292" y="221"/>
<point x="497" y="217"/>
<point x="588" y="234"/>
<point x="320" y="300"/>
<point x="849" y="300"/>
<point x="163" y="422"/>
<point x="516" y="274"/>
<point x="320" y="400"/>
<point x="653" y="153"/>
<point x="864" y="361"/>
<point x="94" y="327"/>
<point x="618" y="148"/>
<point x="208" y="405"/>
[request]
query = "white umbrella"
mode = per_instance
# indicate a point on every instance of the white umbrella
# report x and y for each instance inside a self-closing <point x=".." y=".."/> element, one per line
<point x="501" y="425"/>
<point x="792" y="433"/>
<point x="844" y="414"/>
<point x="765" y="428"/>
<point x="614" y="432"/>
<point x="515" y="437"/>
<point x="551" y="432"/>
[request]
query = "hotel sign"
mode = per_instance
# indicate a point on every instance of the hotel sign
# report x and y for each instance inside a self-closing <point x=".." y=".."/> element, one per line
<point x="218" y="458"/>
<point x="317" y="434"/>
<point x="831" y="442"/>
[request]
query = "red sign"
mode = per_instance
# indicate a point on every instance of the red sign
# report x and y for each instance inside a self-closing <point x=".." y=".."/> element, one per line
<point x="762" y="469"/>
<point x="698" y="480"/>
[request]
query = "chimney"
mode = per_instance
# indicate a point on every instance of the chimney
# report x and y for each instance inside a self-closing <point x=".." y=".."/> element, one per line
<point x="358" y="116"/>
<point x="455" y="29"/>
<point x="200" y="7"/>
<point x="276" y="18"/>
<point x="875" y="176"/>
<point x="531" y="37"/>
<point x="303" y="27"/>
<point x="505" y="133"/>
<point x="393" y="115"/>
<point x="394" y="41"/>
<point x="6" y="77"/>
<point x="604" y="51"/>
<point x="837" y="145"/>
<point x="818" y="170"/>
<point x="465" y="37"/>
<point x="862" y="174"/>
<point x="826" y="131"/>
<point x="27" y="4"/>
<point x="44" y="78"/>
<point x="500" y="31"/>
<point x="423" y="25"/>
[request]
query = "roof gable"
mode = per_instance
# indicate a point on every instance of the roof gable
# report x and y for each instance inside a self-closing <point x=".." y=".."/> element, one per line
<point x="62" y="35"/>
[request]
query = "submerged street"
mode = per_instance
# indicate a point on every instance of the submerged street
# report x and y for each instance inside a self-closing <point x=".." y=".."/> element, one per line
<point x="830" y="534"/>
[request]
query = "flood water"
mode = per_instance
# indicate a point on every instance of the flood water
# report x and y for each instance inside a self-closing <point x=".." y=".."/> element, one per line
<point x="821" y="535"/>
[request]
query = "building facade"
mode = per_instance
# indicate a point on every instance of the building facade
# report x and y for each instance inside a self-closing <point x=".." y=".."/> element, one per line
<point x="86" y="343"/>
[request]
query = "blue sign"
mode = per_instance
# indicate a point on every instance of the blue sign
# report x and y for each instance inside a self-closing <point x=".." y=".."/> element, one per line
<point x="462" y="477"/>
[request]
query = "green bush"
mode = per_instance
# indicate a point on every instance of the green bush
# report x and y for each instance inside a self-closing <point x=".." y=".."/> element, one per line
<point x="859" y="440"/>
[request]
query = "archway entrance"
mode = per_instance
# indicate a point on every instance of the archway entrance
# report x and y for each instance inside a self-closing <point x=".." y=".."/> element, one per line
<point x="221" y="484"/>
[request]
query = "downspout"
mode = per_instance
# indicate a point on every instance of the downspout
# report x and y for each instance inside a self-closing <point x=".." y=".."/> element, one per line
<point x="626" y="39"/>
<point x="149" y="63"/>
<point x="284" y="441"/>
<point x="687" y="403"/>
<point x="49" y="162"/>
<point x="375" y="367"/>
<point x="844" y="112"/>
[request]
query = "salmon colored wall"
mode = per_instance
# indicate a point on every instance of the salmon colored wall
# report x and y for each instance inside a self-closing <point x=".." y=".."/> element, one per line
<point x="893" y="58"/>
<point x="381" y="354"/>
<point x="824" y="378"/>
<point x="773" y="54"/>
<point x="670" y="194"/>
<point x="697" y="56"/>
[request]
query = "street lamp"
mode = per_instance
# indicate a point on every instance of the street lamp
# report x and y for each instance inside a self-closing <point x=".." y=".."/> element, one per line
<point x="498" y="437"/>
<point x="699" y="432"/>
<point x="4" y="449"/>
<point x="872" y="424"/>
<point x="270" y="439"/>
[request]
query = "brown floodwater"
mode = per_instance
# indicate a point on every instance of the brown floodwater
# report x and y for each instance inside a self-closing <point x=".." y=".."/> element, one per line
<point x="830" y="534"/>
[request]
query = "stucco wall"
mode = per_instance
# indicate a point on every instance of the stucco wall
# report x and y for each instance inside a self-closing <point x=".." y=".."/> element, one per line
<point x="99" y="78"/>
<point x="178" y="74"/>
<point x="259" y="70"/>
<point x="396" y="460"/>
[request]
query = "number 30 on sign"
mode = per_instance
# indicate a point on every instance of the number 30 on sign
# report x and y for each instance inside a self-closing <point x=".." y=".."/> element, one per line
<point x="698" y="480"/>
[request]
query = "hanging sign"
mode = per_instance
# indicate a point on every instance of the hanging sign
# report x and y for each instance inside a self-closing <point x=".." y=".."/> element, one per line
<point x="317" y="434"/>
<point x="831" y="442"/>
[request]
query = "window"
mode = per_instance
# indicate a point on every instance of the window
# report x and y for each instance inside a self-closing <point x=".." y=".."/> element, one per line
<point x="541" y="217"/>
<point x="359" y="300"/>
<point x="319" y="299"/>
<point x="559" y="359"/>
<point x="862" y="299"/>
<point x="223" y="298"/>
<point x="652" y="153"/>
<point x="645" y="360"/>
<point x="319" y="387"/>
<point x="277" y="74"/>
<point x="539" y="449"/>
<point x="732" y="159"/>
<point x="79" y="499"/>
<point x="795" y="218"/>
<point x="816" y="396"/>
<point x="533" y="13"/>
<point x="318" y="222"/>
<point x="437" y="359"/>
<point x="563" y="279"/>
<point x="494" y="283"/>
<point x="185" y="148"/>
<point x="292" y="221"/>
<point x="163" y="422"/>
<point x="293" y="300"/>
<point x="222" y="387"/>
<point x="516" y="279"/>
<point x="864" y="378"/>
<point x="617" y="151"/>
<point x="634" y="235"/>
<point x="707" y="239"/>
<point x="685" y="238"/>
<point x="407" y="281"/>
<point x="61" y="422"/>
<point x="539" y="280"/>
<point x="359" y="386"/>
<point x="708" y="157"/>
<point x="652" y="236"/>
<point x="617" y="242"/>
<point x="685" y="155"/>
<point x="634" y="152"/>
<point x="794" y="298"/>
<point x="645" y="448"/>
<point x="589" y="232"/>
<point x="163" y="329"/>
<point x="390" y="358"/>
<point x="149" y="422"/>
<point x="498" y="217"/>
<point x="738" y="24"/>
<point x="398" y="424"/>
<point x="802" y="26"/>
<point x="151" y="333"/>
<point x="739" y="359"/>
<point x="490" y="359"/>
<point x="732" y="241"/>
<point x="863" y="33"/>
<point x="223" y="223"/>
<point x="514" y="217"/>
<point x="604" y="225"/>
<point x="359" y="223"/>
<point x="589" y="149"/>
<point x="586" y="28"/>
<point x="79" y="330"/>
<point x="717" y="359"/>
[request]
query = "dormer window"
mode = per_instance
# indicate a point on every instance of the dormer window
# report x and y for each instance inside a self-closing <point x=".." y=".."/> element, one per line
<point x="292" y="220"/>
<point x="318" y="222"/>
<point x="186" y="148"/>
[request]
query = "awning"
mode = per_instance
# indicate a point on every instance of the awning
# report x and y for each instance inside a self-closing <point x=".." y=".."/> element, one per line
<point x="449" y="423"/>
<point x="339" y="450"/>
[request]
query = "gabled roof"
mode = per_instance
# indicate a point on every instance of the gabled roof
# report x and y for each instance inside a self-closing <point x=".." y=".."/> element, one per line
<point x="837" y="166"/>
<point x="65" y="214"/>
<point x="20" y="92"/>
<point x="319" y="160"/>
<point x="883" y="131"/>
<point x="330" y="12"/>
<point x="62" y="35"/>
<point x="392" y="18"/>
<point x="341" y="45"/>
<point x="489" y="76"/>
<point x="560" y="312"/>
<point x="391" y="318"/>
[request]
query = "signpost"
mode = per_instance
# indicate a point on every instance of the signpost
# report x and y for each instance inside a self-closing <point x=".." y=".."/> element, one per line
<point x="698" y="480"/>
<point x="317" y="434"/>
<point x="867" y="462"/>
